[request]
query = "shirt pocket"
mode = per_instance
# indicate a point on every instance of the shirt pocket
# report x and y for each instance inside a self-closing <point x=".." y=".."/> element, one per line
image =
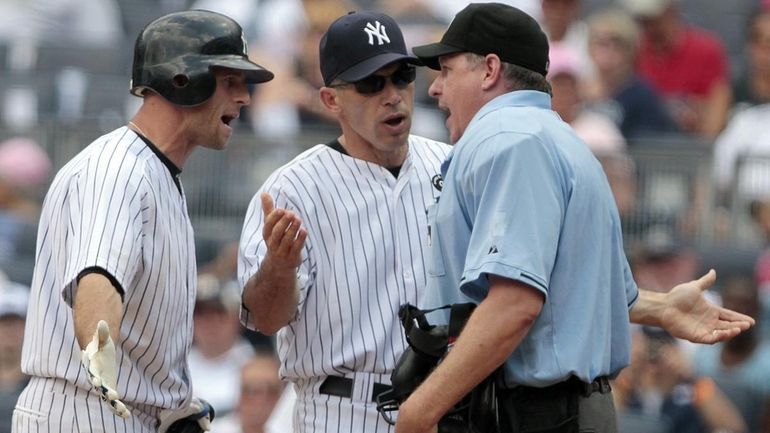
<point x="435" y="259"/>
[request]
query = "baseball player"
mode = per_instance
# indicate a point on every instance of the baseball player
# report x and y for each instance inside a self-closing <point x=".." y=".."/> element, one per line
<point x="333" y="242"/>
<point x="110" y="318"/>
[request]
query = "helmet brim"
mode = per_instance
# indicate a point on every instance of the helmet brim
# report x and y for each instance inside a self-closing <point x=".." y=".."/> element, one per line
<point x="254" y="72"/>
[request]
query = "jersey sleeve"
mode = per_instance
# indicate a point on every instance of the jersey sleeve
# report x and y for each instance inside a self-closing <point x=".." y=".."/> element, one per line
<point x="513" y="195"/>
<point x="252" y="248"/>
<point x="104" y="223"/>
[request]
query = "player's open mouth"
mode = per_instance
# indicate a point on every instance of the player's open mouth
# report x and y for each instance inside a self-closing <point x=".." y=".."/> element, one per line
<point x="226" y="119"/>
<point x="395" y="120"/>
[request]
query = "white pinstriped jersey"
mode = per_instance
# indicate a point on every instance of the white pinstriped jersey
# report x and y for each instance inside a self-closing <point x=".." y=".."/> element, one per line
<point x="363" y="258"/>
<point x="118" y="207"/>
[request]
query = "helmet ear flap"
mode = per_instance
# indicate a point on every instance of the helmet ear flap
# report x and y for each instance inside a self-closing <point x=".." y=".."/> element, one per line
<point x="190" y="88"/>
<point x="180" y="81"/>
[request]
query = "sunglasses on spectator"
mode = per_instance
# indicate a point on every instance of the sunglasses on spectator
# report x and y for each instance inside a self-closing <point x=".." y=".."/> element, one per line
<point x="375" y="83"/>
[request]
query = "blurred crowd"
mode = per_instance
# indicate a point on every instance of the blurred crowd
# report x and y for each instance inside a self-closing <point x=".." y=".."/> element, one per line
<point x="672" y="96"/>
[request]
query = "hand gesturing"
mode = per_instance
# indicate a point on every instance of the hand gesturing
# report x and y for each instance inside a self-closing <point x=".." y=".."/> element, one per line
<point x="283" y="233"/>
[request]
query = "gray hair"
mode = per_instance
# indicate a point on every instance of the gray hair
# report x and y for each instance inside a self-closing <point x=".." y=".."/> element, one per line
<point x="516" y="77"/>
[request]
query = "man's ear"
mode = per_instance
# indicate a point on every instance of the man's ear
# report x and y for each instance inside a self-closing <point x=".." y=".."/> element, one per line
<point x="330" y="99"/>
<point x="493" y="68"/>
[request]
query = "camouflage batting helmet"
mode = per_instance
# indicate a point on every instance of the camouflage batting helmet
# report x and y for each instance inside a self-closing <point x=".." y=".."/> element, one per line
<point x="174" y="56"/>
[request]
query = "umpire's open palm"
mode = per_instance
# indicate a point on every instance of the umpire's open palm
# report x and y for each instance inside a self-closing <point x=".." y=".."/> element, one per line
<point x="689" y="315"/>
<point x="283" y="234"/>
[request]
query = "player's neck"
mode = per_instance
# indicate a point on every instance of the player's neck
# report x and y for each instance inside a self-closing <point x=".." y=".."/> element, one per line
<point x="166" y="133"/>
<point x="386" y="157"/>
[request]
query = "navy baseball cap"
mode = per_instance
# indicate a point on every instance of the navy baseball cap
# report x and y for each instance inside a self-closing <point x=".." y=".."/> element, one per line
<point x="491" y="28"/>
<point x="358" y="44"/>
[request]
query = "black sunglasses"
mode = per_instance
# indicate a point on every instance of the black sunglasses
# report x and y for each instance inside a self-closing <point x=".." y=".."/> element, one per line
<point x="375" y="83"/>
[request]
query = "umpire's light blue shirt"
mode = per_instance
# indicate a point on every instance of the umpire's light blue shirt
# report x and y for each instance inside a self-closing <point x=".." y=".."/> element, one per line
<point x="525" y="199"/>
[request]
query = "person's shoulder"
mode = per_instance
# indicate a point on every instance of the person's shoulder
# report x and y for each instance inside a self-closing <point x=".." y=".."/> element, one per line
<point x="422" y="143"/>
<point x="511" y="126"/>
<point x="120" y="143"/>
<point x="420" y="140"/>
<point x="704" y="41"/>
<point x="312" y="156"/>
<point x="309" y="160"/>
<point x="750" y="117"/>
<point x="100" y="151"/>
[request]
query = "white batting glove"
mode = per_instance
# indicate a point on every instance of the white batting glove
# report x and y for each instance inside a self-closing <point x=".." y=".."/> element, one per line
<point x="196" y="417"/>
<point x="99" y="360"/>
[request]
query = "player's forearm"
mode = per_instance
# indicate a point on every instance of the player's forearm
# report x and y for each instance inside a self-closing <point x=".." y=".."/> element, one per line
<point x="495" y="329"/>
<point x="271" y="296"/>
<point x="96" y="299"/>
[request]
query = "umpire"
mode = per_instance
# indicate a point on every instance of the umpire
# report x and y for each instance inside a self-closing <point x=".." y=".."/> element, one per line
<point x="527" y="227"/>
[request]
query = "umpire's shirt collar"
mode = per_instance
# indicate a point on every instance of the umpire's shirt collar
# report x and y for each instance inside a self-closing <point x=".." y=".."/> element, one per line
<point x="517" y="98"/>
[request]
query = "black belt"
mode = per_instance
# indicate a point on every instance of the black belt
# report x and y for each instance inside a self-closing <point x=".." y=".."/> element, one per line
<point x="343" y="387"/>
<point x="600" y="384"/>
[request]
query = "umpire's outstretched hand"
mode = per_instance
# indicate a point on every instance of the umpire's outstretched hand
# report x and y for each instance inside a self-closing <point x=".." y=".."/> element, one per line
<point x="99" y="360"/>
<point x="690" y="316"/>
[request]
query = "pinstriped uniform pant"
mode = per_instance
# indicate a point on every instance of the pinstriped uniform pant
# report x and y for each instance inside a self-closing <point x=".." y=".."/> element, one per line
<point x="54" y="405"/>
<point x="319" y="413"/>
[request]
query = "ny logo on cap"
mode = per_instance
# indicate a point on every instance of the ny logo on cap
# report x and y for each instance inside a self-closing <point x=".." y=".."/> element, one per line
<point x="376" y="30"/>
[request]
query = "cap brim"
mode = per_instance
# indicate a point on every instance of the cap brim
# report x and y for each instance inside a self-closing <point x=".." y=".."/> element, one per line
<point x="254" y="72"/>
<point x="430" y="53"/>
<point x="374" y="64"/>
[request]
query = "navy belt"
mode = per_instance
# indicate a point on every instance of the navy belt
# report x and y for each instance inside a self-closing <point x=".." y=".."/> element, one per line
<point x="343" y="387"/>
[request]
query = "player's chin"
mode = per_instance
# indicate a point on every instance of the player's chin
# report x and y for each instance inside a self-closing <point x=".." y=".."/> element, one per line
<point x="224" y="133"/>
<point x="218" y="142"/>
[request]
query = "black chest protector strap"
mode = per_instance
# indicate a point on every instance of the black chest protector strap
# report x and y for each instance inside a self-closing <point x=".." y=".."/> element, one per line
<point x="433" y="340"/>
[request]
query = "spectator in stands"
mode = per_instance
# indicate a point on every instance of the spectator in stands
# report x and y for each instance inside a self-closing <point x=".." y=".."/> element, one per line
<point x="745" y="136"/>
<point x="686" y="64"/>
<point x="224" y="266"/>
<point x="660" y="257"/>
<point x="616" y="89"/>
<point x="621" y="175"/>
<point x="289" y="45"/>
<point x="599" y="132"/>
<point x="562" y="24"/>
<point x="245" y="12"/>
<point x="24" y="171"/>
<point x="753" y="87"/>
<point x="741" y="366"/>
<point x="445" y="10"/>
<point x="13" y="310"/>
<point x="660" y="393"/>
<point x="218" y="351"/>
<point x="260" y="391"/>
